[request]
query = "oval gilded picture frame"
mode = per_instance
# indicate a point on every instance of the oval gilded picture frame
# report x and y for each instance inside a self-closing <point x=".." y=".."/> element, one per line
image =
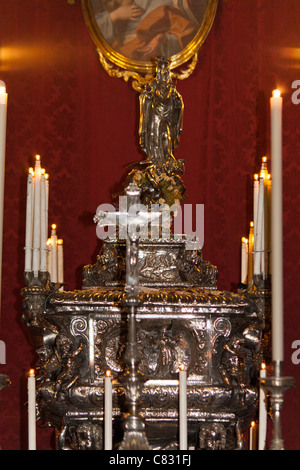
<point x="132" y="33"/>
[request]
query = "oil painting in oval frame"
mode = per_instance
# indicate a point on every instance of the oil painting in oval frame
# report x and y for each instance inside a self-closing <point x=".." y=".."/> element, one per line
<point x="132" y="33"/>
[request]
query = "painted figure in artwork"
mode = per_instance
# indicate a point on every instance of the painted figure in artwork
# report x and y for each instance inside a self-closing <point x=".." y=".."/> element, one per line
<point x="145" y="29"/>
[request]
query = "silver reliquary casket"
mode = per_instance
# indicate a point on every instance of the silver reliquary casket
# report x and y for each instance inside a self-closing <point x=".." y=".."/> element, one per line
<point x="178" y="319"/>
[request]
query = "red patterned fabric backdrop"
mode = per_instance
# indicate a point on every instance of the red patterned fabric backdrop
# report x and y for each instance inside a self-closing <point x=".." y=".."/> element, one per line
<point x="63" y="106"/>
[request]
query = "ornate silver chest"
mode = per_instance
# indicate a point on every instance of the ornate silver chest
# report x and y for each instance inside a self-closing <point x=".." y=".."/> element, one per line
<point x="148" y="306"/>
<point x="181" y="319"/>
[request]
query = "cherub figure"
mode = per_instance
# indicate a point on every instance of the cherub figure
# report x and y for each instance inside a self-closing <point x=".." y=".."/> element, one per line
<point x="70" y="364"/>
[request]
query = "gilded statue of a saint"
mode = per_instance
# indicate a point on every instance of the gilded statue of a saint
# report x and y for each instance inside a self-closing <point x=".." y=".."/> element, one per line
<point x="161" y="114"/>
<point x="160" y="127"/>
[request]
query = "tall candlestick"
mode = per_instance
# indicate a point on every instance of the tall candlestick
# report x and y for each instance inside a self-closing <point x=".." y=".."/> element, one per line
<point x="107" y="411"/>
<point x="37" y="217"/>
<point x="276" y="227"/>
<point x="183" y="437"/>
<point x="262" y="410"/>
<point x="31" y="411"/>
<point x="3" y="115"/>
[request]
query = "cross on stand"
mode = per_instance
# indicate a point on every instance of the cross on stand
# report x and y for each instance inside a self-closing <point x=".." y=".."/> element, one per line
<point x="134" y="426"/>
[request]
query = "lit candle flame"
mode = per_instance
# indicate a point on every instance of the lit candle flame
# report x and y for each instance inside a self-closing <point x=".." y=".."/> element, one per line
<point x="276" y="93"/>
<point x="2" y="87"/>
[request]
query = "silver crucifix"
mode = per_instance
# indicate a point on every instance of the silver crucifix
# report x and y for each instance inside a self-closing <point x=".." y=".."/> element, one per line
<point x="135" y="220"/>
<point x="133" y="224"/>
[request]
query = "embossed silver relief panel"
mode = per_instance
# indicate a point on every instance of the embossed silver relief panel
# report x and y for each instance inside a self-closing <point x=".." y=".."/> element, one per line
<point x="163" y="343"/>
<point x="160" y="263"/>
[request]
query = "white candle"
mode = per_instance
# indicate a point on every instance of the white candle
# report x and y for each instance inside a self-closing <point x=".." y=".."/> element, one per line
<point x="60" y="262"/>
<point x="269" y="192"/>
<point x="37" y="217"/>
<point x="29" y="215"/>
<point x="3" y="115"/>
<point x="264" y="248"/>
<point x="31" y="411"/>
<point x="253" y="436"/>
<point x="250" y="252"/>
<point x="276" y="226"/>
<point x="47" y="202"/>
<point x="49" y="256"/>
<point x="53" y="254"/>
<point x="263" y="234"/>
<point x="107" y="411"/>
<point x="255" y="208"/>
<point x="262" y="411"/>
<point x="43" y="247"/>
<point x="183" y="438"/>
<point x="259" y="229"/>
<point x="264" y="168"/>
<point x="244" y="260"/>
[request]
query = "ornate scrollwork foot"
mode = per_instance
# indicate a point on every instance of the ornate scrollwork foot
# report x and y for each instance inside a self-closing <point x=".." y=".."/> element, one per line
<point x="276" y="386"/>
